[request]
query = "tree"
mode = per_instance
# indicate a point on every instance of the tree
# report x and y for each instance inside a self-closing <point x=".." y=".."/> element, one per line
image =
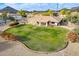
<point x="4" y="16"/>
<point x="63" y="12"/>
<point x="55" y="14"/>
<point x="73" y="19"/>
<point x="50" y="12"/>
<point x="22" y="13"/>
<point x="68" y="12"/>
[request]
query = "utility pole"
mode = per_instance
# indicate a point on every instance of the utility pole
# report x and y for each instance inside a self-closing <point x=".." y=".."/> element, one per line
<point x="57" y="6"/>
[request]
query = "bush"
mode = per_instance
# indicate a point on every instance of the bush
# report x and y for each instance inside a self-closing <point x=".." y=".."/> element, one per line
<point x="63" y="12"/>
<point x="72" y="36"/>
<point x="46" y="14"/>
<point x="73" y="18"/>
<point x="55" y="14"/>
<point x="9" y="36"/>
<point x="14" y="24"/>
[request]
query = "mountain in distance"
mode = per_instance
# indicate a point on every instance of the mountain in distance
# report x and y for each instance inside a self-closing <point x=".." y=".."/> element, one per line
<point x="8" y="9"/>
<point x="71" y="9"/>
<point x="13" y="10"/>
<point x="75" y="8"/>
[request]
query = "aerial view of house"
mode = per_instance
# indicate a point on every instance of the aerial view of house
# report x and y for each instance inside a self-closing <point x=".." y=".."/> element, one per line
<point x="49" y="29"/>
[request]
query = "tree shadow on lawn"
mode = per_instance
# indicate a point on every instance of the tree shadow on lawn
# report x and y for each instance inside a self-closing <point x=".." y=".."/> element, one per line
<point x="20" y="25"/>
<point x="23" y="38"/>
<point x="5" y="45"/>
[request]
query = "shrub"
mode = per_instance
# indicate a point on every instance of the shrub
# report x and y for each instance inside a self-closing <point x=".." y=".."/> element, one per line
<point x="14" y="24"/>
<point x="72" y="36"/>
<point x="55" y="14"/>
<point x="9" y="36"/>
<point x="62" y="12"/>
<point x="46" y="14"/>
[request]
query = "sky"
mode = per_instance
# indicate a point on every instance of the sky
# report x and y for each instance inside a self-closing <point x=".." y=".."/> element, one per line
<point x="38" y="6"/>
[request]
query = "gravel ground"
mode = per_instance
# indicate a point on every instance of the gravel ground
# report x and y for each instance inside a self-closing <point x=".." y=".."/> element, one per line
<point x="15" y="48"/>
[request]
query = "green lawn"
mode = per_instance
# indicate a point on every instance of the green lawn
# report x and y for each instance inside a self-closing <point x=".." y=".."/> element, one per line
<point x="41" y="38"/>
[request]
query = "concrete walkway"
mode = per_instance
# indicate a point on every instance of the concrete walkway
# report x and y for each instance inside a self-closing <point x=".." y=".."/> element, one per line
<point x="15" y="48"/>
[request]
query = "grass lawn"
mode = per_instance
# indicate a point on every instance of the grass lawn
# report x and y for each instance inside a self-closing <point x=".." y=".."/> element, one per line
<point x="41" y="38"/>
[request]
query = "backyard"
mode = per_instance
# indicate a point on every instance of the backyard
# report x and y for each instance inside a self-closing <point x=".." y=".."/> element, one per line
<point x="44" y="39"/>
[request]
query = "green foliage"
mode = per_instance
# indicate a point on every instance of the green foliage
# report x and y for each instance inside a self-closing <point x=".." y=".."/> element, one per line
<point x="55" y="14"/>
<point x="63" y="12"/>
<point x="72" y="18"/>
<point x="50" y="12"/>
<point x="45" y="14"/>
<point x="4" y="16"/>
<point x="0" y="17"/>
<point x="68" y="12"/>
<point x="22" y="13"/>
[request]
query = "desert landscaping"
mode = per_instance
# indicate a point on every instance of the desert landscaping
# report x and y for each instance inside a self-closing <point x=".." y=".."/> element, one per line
<point x="52" y="33"/>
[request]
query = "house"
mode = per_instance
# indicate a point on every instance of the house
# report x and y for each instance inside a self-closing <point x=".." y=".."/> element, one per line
<point x="16" y="16"/>
<point x="45" y="20"/>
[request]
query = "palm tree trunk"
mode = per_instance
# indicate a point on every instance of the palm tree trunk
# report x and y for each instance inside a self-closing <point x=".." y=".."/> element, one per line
<point x="5" y="21"/>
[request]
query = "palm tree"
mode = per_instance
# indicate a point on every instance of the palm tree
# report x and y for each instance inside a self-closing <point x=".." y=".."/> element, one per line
<point x="22" y="13"/>
<point x="4" y="16"/>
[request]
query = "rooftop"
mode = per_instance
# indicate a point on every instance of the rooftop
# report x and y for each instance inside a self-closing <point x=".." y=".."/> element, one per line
<point x="41" y="18"/>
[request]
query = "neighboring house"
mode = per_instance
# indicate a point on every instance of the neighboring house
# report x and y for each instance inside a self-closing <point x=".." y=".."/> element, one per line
<point x="16" y="16"/>
<point x="45" y="20"/>
<point x="2" y="22"/>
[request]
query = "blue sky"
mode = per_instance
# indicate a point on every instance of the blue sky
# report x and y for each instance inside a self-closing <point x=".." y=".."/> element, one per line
<point x="38" y="6"/>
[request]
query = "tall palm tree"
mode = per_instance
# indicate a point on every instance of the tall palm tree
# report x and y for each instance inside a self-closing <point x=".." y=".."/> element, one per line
<point x="57" y="6"/>
<point x="22" y="13"/>
<point x="4" y="16"/>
